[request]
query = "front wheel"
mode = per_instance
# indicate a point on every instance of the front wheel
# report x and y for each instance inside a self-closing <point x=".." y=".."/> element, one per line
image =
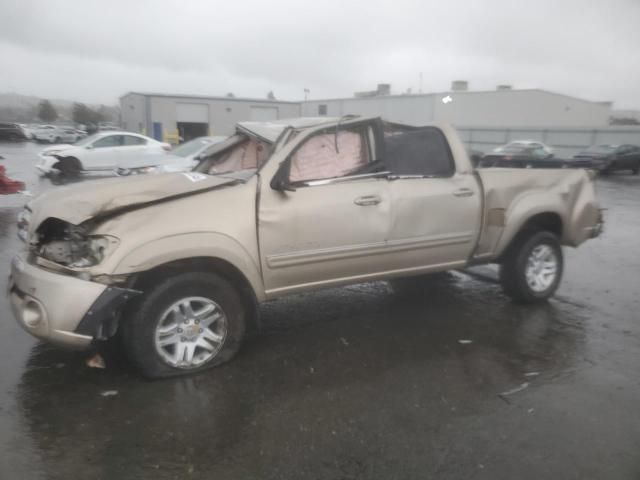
<point x="69" y="167"/>
<point x="532" y="269"/>
<point x="185" y="324"/>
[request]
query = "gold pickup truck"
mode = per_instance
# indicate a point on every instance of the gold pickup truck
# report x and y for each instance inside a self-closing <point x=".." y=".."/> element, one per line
<point x="178" y="262"/>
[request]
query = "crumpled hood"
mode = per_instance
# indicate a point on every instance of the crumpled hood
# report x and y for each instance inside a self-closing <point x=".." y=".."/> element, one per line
<point x="78" y="203"/>
<point x="57" y="148"/>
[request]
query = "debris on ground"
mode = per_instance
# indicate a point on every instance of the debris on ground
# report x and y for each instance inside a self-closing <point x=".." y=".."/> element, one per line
<point x="532" y="374"/>
<point x="96" y="361"/>
<point x="344" y="341"/>
<point x="311" y="370"/>
<point x="7" y="185"/>
<point x="504" y="395"/>
<point x="464" y="341"/>
<point x="109" y="393"/>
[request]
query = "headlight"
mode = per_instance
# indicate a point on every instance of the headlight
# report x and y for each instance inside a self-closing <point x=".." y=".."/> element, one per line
<point x="71" y="246"/>
<point x="24" y="219"/>
<point x="78" y="252"/>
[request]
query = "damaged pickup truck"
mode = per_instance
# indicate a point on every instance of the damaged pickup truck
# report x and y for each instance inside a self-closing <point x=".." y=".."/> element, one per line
<point x="177" y="263"/>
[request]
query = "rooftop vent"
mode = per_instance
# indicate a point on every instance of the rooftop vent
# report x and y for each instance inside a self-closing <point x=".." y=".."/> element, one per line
<point x="459" y="86"/>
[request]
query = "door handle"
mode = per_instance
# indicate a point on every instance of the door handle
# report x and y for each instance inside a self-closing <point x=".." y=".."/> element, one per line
<point x="367" y="200"/>
<point x="463" y="192"/>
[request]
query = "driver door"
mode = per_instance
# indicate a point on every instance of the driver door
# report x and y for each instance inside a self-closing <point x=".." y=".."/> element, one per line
<point x="103" y="154"/>
<point x="332" y="229"/>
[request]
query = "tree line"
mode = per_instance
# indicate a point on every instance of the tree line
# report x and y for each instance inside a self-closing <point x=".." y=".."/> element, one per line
<point x="80" y="113"/>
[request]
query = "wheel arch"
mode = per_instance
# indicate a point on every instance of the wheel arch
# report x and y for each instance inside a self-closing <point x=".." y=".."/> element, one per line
<point x="142" y="281"/>
<point x="545" y="220"/>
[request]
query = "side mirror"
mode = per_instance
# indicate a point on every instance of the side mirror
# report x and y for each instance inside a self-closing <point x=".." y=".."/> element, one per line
<point x="280" y="180"/>
<point x="89" y="147"/>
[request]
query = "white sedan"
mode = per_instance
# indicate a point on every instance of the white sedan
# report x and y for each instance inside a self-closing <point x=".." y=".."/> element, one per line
<point x="185" y="157"/>
<point x="103" y="152"/>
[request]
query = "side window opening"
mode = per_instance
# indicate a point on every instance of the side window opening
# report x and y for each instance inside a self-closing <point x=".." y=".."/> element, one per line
<point x="248" y="154"/>
<point x="319" y="159"/>
<point x="130" y="140"/>
<point x="419" y="152"/>
<point x="110" y="141"/>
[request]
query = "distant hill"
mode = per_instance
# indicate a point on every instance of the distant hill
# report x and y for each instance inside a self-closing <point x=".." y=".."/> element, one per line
<point x="23" y="108"/>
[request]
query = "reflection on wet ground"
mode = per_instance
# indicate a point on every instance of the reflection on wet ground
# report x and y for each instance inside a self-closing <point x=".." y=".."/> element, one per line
<point x="358" y="382"/>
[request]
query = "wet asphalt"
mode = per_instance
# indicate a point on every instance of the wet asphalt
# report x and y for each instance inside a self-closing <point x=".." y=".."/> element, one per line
<point x="355" y="382"/>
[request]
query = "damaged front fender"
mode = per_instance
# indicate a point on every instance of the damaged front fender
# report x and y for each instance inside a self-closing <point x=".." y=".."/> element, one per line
<point x="101" y="320"/>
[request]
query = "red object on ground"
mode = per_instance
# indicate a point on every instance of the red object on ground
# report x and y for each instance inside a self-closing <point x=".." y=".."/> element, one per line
<point x="7" y="185"/>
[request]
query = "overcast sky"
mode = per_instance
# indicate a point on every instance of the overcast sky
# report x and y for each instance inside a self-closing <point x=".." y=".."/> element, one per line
<point x="95" y="51"/>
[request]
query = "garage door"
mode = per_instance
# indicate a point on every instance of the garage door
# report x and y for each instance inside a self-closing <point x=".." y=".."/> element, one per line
<point x="264" y="114"/>
<point x="193" y="112"/>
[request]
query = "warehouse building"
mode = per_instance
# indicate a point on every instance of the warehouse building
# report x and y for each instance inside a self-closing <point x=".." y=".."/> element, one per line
<point x="175" y="118"/>
<point x="183" y="117"/>
<point x="503" y="107"/>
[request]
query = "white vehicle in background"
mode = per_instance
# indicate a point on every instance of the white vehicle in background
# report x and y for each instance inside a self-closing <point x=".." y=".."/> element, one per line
<point x="185" y="157"/>
<point x="57" y="134"/>
<point x="28" y="131"/>
<point x="538" y="148"/>
<point x="41" y="132"/>
<point x="123" y="152"/>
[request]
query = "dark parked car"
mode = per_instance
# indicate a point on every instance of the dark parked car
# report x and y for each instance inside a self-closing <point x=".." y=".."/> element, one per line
<point x="609" y="158"/>
<point x="12" y="131"/>
<point x="523" y="154"/>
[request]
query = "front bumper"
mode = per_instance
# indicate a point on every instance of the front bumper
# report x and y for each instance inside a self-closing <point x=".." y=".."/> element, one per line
<point x="45" y="164"/>
<point x="50" y="306"/>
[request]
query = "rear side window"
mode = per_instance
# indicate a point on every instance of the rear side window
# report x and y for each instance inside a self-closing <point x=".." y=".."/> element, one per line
<point x="110" y="141"/>
<point x="130" y="140"/>
<point x="423" y="152"/>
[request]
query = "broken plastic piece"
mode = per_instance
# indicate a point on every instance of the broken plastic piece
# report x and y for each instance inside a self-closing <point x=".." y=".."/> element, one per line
<point x="109" y="393"/>
<point x="464" y="341"/>
<point x="515" y="390"/>
<point x="96" y="361"/>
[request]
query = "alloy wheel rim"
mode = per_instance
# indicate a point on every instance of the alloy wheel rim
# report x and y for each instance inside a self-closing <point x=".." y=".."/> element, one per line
<point x="190" y="332"/>
<point x="542" y="268"/>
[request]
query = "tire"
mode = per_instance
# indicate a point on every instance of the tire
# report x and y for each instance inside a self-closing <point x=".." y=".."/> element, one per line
<point x="163" y="306"/>
<point x="70" y="167"/>
<point x="527" y="282"/>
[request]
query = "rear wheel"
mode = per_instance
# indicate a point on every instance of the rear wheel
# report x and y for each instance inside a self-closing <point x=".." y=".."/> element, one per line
<point x="187" y="323"/>
<point x="532" y="269"/>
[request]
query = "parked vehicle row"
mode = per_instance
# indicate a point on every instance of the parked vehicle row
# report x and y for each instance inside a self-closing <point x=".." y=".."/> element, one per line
<point x="610" y="158"/>
<point x="531" y="154"/>
<point x="40" y="133"/>
<point x="279" y="208"/>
